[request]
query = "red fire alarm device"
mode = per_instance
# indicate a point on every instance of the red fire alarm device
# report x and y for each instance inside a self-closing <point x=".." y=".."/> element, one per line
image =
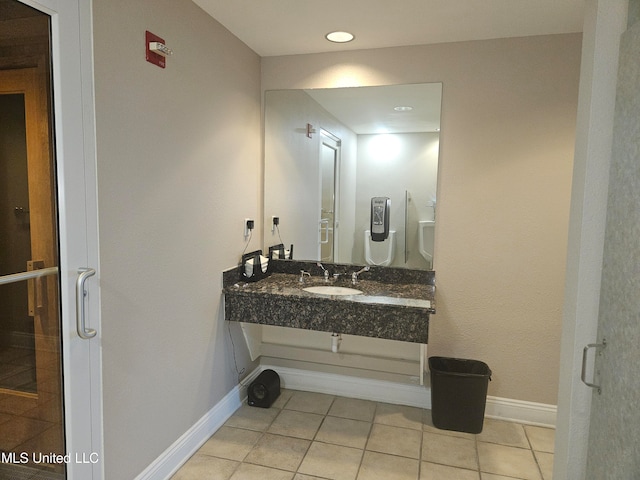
<point x="153" y="54"/>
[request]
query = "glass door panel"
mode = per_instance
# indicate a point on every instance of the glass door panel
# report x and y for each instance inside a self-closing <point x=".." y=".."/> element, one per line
<point x="31" y="406"/>
<point x="328" y="166"/>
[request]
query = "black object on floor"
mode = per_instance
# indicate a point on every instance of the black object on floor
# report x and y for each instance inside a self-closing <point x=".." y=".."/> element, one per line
<point x="264" y="390"/>
<point x="458" y="393"/>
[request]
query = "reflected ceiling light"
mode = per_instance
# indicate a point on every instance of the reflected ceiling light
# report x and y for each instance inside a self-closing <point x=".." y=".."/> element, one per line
<point x="403" y="109"/>
<point x="385" y="147"/>
<point x="339" y="37"/>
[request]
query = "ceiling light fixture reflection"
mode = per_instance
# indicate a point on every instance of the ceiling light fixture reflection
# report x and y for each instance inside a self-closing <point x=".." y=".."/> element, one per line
<point x="385" y="147"/>
<point x="339" y="37"/>
<point x="403" y="108"/>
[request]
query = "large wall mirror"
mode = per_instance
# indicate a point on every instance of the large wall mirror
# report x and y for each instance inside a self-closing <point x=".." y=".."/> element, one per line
<point x="328" y="152"/>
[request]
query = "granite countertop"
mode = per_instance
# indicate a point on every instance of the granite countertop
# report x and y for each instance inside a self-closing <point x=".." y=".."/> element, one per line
<point x="387" y="308"/>
<point x="373" y="292"/>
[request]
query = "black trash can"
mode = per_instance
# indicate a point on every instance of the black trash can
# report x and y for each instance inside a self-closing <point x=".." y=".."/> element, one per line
<point x="458" y="393"/>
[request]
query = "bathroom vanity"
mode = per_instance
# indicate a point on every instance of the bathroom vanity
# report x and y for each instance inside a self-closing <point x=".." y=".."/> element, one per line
<point x="394" y="303"/>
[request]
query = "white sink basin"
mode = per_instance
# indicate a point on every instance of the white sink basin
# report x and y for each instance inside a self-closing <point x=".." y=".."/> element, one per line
<point x="332" y="290"/>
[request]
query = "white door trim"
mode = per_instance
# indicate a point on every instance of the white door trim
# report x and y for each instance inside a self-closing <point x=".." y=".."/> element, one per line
<point x="605" y="20"/>
<point x="72" y="59"/>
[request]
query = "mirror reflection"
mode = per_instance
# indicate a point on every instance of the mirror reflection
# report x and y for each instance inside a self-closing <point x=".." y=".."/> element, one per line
<point x="351" y="173"/>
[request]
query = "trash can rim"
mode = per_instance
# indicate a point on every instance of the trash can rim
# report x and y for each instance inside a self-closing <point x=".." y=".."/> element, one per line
<point x="439" y="371"/>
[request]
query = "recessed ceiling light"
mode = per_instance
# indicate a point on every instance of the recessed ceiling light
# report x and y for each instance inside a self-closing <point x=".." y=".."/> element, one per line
<point x="339" y="37"/>
<point x="403" y="109"/>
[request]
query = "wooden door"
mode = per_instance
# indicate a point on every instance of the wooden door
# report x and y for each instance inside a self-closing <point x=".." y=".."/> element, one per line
<point x="26" y="90"/>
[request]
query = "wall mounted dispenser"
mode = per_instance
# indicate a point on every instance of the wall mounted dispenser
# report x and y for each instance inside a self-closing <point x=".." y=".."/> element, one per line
<point x="380" y="209"/>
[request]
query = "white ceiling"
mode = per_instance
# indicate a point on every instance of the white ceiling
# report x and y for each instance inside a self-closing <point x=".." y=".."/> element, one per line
<point x="367" y="110"/>
<point x="286" y="27"/>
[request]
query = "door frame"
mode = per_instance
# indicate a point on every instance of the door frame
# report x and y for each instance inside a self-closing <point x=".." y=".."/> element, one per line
<point x="74" y="120"/>
<point x="605" y="20"/>
<point x="329" y="140"/>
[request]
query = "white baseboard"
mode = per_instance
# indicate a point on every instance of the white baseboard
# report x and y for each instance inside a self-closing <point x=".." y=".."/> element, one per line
<point x="405" y="394"/>
<point x="531" y="413"/>
<point x="182" y="449"/>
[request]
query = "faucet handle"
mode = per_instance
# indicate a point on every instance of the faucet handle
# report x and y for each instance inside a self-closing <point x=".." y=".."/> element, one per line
<point x="302" y="274"/>
<point x="324" y="270"/>
<point x="354" y="275"/>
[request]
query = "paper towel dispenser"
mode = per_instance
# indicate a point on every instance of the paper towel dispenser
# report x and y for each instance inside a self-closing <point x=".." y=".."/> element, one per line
<point x="380" y="209"/>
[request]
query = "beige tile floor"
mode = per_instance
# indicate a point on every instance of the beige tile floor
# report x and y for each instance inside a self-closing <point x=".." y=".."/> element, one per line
<point x="311" y="436"/>
<point x="29" y="423"/>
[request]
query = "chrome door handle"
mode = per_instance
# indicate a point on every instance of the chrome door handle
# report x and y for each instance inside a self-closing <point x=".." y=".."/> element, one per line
<point x="83" y="332"/>
<point x="583" y="374"/>
<point x="324" y="222"/>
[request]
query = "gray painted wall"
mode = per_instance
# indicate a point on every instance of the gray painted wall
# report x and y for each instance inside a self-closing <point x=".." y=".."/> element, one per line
<point x="179" y="159"/>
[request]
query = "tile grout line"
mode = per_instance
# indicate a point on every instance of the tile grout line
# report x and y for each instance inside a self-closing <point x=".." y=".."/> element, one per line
<point x="420" y="460"/>
<point x="372" y="422"/>
<point x="314" y="436"/>
<point x="475" y="442"/>
<point x="364" y="449"/>
<point x="535" y="457"/>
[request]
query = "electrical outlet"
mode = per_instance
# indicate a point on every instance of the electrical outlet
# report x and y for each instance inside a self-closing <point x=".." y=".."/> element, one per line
<point x="275" y="221"/>
<point x="248" y="226"/>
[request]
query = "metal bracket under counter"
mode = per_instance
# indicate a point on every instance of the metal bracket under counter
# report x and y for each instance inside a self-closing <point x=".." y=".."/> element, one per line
<point x="406" y="364"/>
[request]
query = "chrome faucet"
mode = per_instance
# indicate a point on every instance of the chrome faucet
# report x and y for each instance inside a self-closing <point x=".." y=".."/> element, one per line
<point x="326" y="272"/>
<point x="302" y="274"/>
<point x="354" y="275"/>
